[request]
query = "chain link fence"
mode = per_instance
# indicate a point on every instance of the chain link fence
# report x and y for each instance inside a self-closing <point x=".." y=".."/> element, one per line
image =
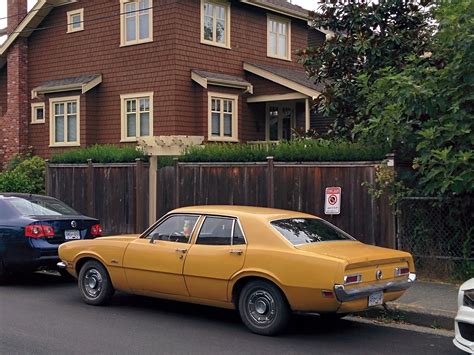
<point x="440" y="239"/>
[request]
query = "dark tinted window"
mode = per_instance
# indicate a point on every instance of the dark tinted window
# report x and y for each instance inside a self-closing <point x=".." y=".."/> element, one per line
<point x="40" y="207"/>
<point x="308" y="230"/>
<point x="177" y="228"/>
<point x="216" y="231"/>
<point x="238" y="235"/>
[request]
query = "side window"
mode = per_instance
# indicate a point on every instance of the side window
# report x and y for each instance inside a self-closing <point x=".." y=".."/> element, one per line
<point x="238" y="235"/>
<point x="216" y="231"/>
<point x="176" y="228"/>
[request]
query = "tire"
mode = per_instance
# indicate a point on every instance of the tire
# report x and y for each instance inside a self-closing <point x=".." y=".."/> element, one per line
<point x="94" y="284"/>
<point x="263" y="308"/>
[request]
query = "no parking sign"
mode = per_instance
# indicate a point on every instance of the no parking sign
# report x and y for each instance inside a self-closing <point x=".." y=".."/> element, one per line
<point x="332" y="202"/>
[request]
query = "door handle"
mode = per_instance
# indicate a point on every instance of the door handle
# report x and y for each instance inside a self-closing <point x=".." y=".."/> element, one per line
<point x="236" y="251"/>
<point x="181" y="250"/>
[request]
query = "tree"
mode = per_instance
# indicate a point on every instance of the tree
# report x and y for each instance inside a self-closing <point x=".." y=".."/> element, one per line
<point x="368" y="36"/>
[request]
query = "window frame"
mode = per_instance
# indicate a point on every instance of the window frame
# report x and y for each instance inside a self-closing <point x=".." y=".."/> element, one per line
<point x="52" y="121"/>
<point x="70" y="23"/>
<point x="123" y="114"/>
<point x="286" y="21"/>
<point x="235" y="220"/>
<point x="123" y="27"/>
<point x="213" y="42"/>
<point x="34" y="114"/>
<point x="235" y="118"/>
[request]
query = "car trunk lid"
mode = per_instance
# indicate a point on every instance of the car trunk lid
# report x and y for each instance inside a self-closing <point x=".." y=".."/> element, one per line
<point x="66" y="227"/>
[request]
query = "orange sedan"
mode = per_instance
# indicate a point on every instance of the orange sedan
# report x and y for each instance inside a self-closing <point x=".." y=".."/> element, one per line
<point x="263" y="262"/>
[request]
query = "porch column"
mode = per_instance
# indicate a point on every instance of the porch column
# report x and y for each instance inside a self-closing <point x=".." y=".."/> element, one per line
<point x="307" y="114"/>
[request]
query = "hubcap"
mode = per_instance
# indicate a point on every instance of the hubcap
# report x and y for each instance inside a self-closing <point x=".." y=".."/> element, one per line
<point x="93" y="283"/>
<point x="261" y="307"/>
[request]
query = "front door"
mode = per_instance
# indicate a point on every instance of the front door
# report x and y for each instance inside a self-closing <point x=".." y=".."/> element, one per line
<point x="218" y="253"/>
<point x="280" y="120"/>
<point x="155" y="263"/>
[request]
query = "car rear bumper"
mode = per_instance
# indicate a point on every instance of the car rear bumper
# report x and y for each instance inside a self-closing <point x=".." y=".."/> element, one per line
<point x="346" y="295"/>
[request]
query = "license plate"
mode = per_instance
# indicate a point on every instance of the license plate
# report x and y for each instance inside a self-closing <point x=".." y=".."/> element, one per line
<point x="71" y="235"/>
<point x="376" y="298"/>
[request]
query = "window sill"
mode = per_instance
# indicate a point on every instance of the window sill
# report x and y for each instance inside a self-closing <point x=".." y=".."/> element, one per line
<point x="222" y="139"/>
<point x="129" y="140"/>
<point x="62" y="145"/>
<point x="276" y="57"/>
<point x="37" y="122"/>
<point x="213" y="44"/>
<point x="135" y="43"/>
<point x="73" y="31"/>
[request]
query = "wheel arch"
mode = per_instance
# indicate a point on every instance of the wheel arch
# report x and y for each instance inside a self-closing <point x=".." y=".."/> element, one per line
<point x="84" y="258"/>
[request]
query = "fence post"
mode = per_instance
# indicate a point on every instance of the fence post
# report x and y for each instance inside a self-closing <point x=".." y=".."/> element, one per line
<point x="139" y="192"/>
<point x="392" y="222"/>
<point x="270" y="183"/>
<point x="90" y="189"/>
<point x="176" y="182"/>
<point x="152" y="198"/>
<point x="47" y="179"/>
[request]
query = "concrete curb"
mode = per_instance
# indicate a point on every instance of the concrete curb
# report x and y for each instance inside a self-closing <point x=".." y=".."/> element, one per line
<point x="412" y="315"/>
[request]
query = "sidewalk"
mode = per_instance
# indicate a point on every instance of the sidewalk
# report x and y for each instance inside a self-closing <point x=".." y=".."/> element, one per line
<point x="425" y="303"/>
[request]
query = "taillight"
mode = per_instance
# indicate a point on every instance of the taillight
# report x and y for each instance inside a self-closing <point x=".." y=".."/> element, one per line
<point x="38" y="231"/>
<point x="352" y="279"/>
<point x="96" y="230"/>
<point x="400" y="271"/>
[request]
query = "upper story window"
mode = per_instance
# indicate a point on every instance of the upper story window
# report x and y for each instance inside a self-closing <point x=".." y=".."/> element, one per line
<point x="37" y="112"/>
<point x="215" y="23"/>
<point x="75" y="20"/>
<point x="136" y="22"/>
<point x="278" y="37"/>
<point x="64" y="121"/>
<point x="137" y="116"/>
<point x="223" y="116"/>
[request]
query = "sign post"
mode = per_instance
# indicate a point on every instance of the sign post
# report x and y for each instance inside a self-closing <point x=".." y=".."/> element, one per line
<point x="332" y="201"/>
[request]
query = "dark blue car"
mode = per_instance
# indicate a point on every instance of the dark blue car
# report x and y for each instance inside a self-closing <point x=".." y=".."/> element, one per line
<point x="31" y="229"/>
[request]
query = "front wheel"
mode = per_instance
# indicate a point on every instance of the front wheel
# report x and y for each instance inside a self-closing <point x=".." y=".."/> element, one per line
<point x="263" y="308"/>
<point x="94" y="284"/>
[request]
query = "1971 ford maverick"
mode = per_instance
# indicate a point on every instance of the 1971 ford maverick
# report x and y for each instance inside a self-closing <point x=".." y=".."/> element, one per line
<point x="263" y="262"/>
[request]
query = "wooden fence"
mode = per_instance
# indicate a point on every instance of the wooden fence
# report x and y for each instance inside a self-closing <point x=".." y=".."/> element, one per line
<point x="116" y="194"/>
<point x="293" y="186"/>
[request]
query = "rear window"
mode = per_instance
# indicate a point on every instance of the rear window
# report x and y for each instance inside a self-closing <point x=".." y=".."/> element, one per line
<point x="40" y="207"/>
<point x="308" y="230"/>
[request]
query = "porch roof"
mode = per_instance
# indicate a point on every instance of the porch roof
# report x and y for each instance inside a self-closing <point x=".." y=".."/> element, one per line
<point x="290" y="78"/>
<point x="82" y="82"/>
<point x="205" y="78"/>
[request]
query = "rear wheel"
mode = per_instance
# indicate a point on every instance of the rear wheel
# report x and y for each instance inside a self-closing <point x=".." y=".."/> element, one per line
<point x="94" y="284"/>
<point x="263" y="308"/>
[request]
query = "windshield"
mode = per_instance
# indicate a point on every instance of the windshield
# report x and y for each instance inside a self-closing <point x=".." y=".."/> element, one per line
<point x="308" y="230"/>
<point x="40" y="207"/>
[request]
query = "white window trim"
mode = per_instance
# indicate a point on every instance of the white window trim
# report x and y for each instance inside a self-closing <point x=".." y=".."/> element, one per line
<point x="123" y="34"/>
<point x="69" y="16"/>
<point x="123" y="116"/>
<point x="288" y="37"/>
<point x="235" y="118"/>
<point x="227" y="5"/>
<point x="52" y="143"/>
<point x="34" y="117"/>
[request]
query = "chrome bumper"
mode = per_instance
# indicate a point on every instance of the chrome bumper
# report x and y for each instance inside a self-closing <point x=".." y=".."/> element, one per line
<point x="61" y="265"/>
<point x="352" y="294"/>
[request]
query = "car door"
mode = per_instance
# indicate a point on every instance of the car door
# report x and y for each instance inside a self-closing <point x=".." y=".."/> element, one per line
<point x="155" y="263"/>
<point x="217" y="254"/>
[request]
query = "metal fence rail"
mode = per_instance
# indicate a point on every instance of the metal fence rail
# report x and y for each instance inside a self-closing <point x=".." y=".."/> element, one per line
<point x="440" y="244"/>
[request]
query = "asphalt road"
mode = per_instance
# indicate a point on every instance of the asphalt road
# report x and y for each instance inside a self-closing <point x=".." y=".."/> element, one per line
<point x="45" y="315"/>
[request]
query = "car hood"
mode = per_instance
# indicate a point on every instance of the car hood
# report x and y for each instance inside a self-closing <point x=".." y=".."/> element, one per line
<point x="355" y="252"/>
<point x="468" y="285"/>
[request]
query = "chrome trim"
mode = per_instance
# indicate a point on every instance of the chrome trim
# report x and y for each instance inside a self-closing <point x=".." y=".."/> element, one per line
<point x="61" y="265"/>
<point x="352" y="294"/>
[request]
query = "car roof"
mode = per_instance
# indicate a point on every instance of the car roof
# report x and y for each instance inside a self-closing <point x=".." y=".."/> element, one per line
<point x="23" y="195"/>
<point x="242" y="211"/>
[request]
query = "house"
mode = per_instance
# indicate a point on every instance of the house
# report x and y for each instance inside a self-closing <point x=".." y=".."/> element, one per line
<point x="75" y="73"/>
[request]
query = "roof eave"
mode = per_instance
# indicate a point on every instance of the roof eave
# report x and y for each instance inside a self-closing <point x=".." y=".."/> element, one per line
<point x="278" y="9"/>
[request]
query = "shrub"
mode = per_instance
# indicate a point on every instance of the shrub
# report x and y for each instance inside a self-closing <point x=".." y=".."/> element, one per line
<point x="296" y="151"/>
<point x="15" y="181"/>
<point x="100" y="154"/>
<point x="34" y="169"/>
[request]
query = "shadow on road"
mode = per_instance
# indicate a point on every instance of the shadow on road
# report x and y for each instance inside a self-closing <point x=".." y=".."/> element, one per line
<point x="37" y="279"/>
